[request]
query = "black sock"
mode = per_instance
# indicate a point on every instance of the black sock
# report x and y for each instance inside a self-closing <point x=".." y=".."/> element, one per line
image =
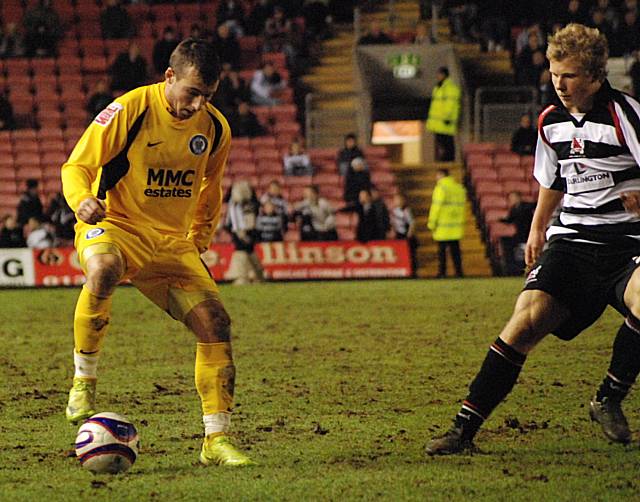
<point x="494" y="381"/>
<point x="625" y="362"/>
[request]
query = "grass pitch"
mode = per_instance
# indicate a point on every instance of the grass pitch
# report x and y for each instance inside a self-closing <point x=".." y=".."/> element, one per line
<point x="339" y="387"/>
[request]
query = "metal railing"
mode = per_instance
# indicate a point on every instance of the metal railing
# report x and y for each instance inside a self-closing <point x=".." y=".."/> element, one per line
<point x="497" y="110"/>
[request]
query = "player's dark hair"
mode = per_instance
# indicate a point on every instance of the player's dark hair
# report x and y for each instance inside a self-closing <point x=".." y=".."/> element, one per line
<point x="198" y="53"/>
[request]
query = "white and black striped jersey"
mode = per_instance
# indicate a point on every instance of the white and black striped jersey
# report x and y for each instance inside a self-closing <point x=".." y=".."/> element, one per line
<point x="592" y="159"/>
<point x="401" y="220"/>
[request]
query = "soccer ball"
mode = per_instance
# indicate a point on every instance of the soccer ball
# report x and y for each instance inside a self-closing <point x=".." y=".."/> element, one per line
<point x="107" y="443"/>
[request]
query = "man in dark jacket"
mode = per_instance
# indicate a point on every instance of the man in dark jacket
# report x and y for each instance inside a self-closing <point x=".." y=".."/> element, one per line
<point x="30" y="205"/>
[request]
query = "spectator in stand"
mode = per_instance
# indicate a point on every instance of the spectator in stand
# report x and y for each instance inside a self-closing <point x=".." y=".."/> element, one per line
<point x="316" y="217"/>
<point x="240" y="222"/>
<point x="129" y="70"/>
<point x="375" y="36"/>
<point x="524" y="38"/>
<point x="446" y="220"/>
<point x="611" y="14"/>
<point x="115" y="21"/>
<point x="296" y="161"/>
<point x="63" y="220"/>
<point x="494" y="28"/>
<point x="444" y="111"/>
<point x="463" y="17"/>
<point x="42" y="30"/>
<point x="317" y="20"/>
<point x="520" y="215"/>
<point x="232" y="91"/>
<point x="546" y="91"/>
<point x="244" y="123"/>
<point x="275" y="197"/>
<point x="372" y="225"/>
<point x="270" y="224"/>
<point x="525" y="137"/>
<point x="266" y="84"/>
<point x="30" y="204"/>
<point x="11" y="235"/>
<point x="257" y="19"/>
<point x="380" y="206"/>
<point x="277" y="31"/>
<point x="422" y="36"/>
<point x="163" y="48"/>
<point x="11" y="42"/>
<point x="350" y="151"/>
<point x="39" y="234"/>
<point x="231" y="13"/>
<point x="575" y="13"/>
<point x="357" y="179"/>
<point x="100" y="99"/>
<point x="634" y="73"/>
<point x="403" y="225"/>
<point x="628" y="35"/>
<point x="7" y="119"/>
<point x="227" y="45"/>
<point x="525" y="74"/>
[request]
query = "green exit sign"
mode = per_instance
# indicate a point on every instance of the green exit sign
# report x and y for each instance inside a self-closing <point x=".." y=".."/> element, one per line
<point x="404" y="65"/>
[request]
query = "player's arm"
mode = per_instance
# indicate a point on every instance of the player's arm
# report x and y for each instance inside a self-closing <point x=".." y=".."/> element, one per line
<point x="210" y="199"/>
<point x="549" y="196"/>
<point x="101" y="141"/>
<point x="631" y="134"/>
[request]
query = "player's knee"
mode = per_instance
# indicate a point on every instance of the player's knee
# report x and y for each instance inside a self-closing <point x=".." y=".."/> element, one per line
<point x="103" y="274"/>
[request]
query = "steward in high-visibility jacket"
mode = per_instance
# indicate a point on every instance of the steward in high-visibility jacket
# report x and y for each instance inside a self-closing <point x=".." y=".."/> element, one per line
<point x="444" y="110"/>
<point x="446" y="216"/>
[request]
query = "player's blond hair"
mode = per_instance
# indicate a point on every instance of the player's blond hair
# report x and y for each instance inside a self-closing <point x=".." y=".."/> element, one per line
<point x="586" y="45"/>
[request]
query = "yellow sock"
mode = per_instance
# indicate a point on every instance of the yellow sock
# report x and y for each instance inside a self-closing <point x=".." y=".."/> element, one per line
<point x="215" y="377"/>
<point x="90" y="322"/>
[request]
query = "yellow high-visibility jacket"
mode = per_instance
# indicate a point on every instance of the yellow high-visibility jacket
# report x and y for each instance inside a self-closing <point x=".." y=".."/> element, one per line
<point x="446" y="215"/>
<point x="444" y="110"/>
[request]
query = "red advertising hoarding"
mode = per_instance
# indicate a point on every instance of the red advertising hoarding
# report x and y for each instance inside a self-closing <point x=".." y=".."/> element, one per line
<point x="282" y="261"/>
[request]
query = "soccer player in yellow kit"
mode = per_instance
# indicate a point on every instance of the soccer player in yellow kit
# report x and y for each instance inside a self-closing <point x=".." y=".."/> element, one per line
<point x="144" y="181"/>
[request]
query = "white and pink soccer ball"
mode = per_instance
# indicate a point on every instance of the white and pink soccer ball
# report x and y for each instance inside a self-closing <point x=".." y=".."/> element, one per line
<point x="107" y="443"/>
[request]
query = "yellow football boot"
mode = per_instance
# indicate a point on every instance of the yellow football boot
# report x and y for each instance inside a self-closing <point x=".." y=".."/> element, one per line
<point x="82" y="400"/>
<point x="218" y="449"/>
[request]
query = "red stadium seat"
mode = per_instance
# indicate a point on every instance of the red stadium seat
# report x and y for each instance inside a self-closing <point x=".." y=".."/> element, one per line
<point x="488" y="188"/>
<point x="270" y="167"/>
<point x="470" y="148"/>
<point x="267" y="153"/>
<point x="298" y="181"/>
<point x="512" y="173"/>
<point x="240" y="154"/>
<point x="493" y="215"/>
<point x="262" y="141"/>
<point x="492" y="202"/>
<point x="325" y="179"/>
<point x="483" y="174"/>
<point x="516" y="186"/>
<point x="242" y="169"/>
<point x="480" y="159"/>
<point x="506" y="159"/>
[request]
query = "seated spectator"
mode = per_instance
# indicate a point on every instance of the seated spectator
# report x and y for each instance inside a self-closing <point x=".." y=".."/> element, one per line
<point x="379" y="205"/>
<point x="375" y="36"/>
<point x="520" y="214"/>
<point x="163" y="48"/>
<point x="297" y="162"/>
<point x="227" y="45"/>
<point x="115" y="21"/>
<point x="546" y="91"/>
<point x="372" y="224"/>
<point x="350" y="151"/>
<point x="523" y="40"/>
<point x="232" y="91"/>
<point x="7" y="119"/>
<point x="270" y="224"/>
<point x="463" y="18"/>
<point x="266" y="85"/>
<point x="530" y="62"/>
<point x="599" y="21"/>
<point x="317" y="20"/>
<point x="63" y="220"/>
<point x="262" y="10"/>
<point x="422" y="35"/>
<point x="628" y="35"/>
<point x="356" y="180"/>
<point x="11" y="235"/>
<point x="403" y="225"/>
<point x="39" y="234"/>
<point x="315" y="217"/>
<point x="277" y="31"/>
<point x="129" y="70"/>
<point x="524" y="138"/>
<point x="100" y="99"/>
<point x="231" y="13"/>
<point x="42" y="30"/>
<point x="30" y="205"/>
<point x="240" y="222"/>
<point x="244" y="123"/>
<point x="275" y="197"/>
<point x="11" y="42"/>
<point x="575" y="13"/>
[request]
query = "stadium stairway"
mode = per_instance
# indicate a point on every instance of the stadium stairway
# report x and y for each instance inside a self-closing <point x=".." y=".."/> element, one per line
<point x="416" y="182"/>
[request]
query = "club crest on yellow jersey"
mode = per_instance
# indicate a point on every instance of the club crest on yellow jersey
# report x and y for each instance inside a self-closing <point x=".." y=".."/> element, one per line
<point x="198" y="144"/>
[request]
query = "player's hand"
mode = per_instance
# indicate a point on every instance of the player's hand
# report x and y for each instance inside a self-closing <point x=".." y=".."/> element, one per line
<point x="534" y="246"/>
<point x="631" y="202"/>
<point x="91" y="210"/>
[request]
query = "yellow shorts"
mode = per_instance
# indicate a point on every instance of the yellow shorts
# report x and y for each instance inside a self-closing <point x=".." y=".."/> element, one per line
<point x="166" y="269"/>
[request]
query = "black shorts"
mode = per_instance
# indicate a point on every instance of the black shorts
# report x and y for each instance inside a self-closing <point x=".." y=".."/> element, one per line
<point x="585" y="278"/>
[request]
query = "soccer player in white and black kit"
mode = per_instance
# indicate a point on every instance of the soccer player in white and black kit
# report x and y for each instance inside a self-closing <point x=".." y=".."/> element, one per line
<point x="588" y="158"/>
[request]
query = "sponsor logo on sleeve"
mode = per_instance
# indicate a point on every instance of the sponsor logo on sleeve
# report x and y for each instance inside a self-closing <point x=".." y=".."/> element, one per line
<point x="198" y="144"/>
<point x="93" y="233"/>
<point x="105" y="117"/>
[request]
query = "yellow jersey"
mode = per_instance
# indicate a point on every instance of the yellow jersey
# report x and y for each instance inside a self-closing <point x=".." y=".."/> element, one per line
<point x="151" y="169"/>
